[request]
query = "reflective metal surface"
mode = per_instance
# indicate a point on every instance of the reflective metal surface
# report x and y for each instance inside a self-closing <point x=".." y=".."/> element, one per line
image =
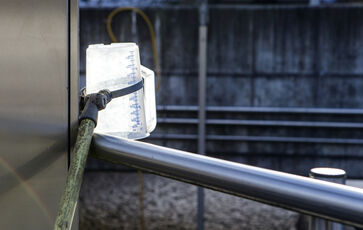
<point x="335" y="141"/>
<point x="316" y="124"/>
<point x="34" y="111"/>
<point x="202" y="100"/>
<point x="241" y="109"/>
<point x="333" y="175"/>
<point x="74" y="91"/>
<point x="313" y="197"/>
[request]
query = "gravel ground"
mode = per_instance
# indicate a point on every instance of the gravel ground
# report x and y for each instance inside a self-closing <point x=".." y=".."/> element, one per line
<point x="110" y="200"/>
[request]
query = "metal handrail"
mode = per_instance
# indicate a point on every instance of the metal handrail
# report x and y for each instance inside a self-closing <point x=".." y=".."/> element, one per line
<point x="331" y="201"/>
<point x="272" y="139"/>
<point x="240" y="122"/>
<point x="256" y="109"/>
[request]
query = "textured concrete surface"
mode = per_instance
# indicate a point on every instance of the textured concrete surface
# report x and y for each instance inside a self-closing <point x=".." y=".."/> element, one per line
<point x="110" y="200"/>
<point x="288" y="57"/>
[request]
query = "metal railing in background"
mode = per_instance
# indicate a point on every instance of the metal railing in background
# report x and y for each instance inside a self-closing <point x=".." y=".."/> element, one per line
<point x="322" y="199"/>
<point x="311" y="140"/>
<point x="176" y="122"/>
<point x="239" y="109"/>
<point x="309" y="124"/>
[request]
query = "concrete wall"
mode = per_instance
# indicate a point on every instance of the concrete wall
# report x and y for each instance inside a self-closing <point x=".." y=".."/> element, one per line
<point x="257" y="56"/>
<point x="300" y="57"/>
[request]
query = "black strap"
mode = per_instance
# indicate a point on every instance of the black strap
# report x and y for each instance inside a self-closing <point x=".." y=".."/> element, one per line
<point x="127" y="90"/>
<point x="97" y="101"/>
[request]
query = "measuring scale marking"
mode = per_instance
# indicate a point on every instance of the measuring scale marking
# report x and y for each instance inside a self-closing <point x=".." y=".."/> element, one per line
<point x="135" y="117"/>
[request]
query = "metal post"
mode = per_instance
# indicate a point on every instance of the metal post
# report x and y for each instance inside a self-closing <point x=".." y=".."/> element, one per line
<point x="332" y="175"/>
<point x="202" y="101"/>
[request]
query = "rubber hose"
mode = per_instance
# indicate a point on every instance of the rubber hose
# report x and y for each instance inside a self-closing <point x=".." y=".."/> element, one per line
<point x="70" y="195"/>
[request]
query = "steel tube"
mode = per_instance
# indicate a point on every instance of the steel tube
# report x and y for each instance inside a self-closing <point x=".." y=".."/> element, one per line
<point x="308" y="124"/>
<point x="239" y="109"/>
<point x="333" y="175"/>
<point x="202" y="82"/>
<point x="314" y="140"/>
<point x="335" y="202"/>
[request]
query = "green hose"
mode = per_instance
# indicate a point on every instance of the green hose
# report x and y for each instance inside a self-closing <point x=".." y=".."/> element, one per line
<point x="70" y="195"/>
<point x="92" y="104"/>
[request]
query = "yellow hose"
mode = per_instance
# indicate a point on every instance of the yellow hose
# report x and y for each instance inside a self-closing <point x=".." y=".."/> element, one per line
<point x="151" y="30"/>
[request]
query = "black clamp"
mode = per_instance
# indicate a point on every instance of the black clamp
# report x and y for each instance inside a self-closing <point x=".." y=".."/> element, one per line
<point x="92" y="103"/>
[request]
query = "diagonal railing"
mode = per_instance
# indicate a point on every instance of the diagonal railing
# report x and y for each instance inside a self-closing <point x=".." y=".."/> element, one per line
<point x="331" y="201"/>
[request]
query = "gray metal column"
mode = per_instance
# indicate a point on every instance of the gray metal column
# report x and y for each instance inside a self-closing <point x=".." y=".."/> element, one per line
<point x="39" y="108"/>
<point x="332" y="175"/>
<point x="203" y="30"/>
<point x="74" y="89"/>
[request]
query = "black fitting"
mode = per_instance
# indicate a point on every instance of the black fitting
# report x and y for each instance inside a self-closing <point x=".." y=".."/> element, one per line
<point x="93" y="103"/>
<point x="102" y="99"/>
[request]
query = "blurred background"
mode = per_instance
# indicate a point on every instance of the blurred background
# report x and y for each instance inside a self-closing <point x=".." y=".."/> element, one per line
<point x="283" y="91"/>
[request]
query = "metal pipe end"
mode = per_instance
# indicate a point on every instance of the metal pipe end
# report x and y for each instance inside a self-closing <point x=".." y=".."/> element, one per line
<point x="325" y="172"/>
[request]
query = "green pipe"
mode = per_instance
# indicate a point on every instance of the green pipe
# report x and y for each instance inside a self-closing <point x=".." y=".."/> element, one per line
<point x="70" y="195"/>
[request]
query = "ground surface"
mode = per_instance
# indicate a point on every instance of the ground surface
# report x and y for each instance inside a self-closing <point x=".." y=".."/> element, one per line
<point x="110" y="200"/>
